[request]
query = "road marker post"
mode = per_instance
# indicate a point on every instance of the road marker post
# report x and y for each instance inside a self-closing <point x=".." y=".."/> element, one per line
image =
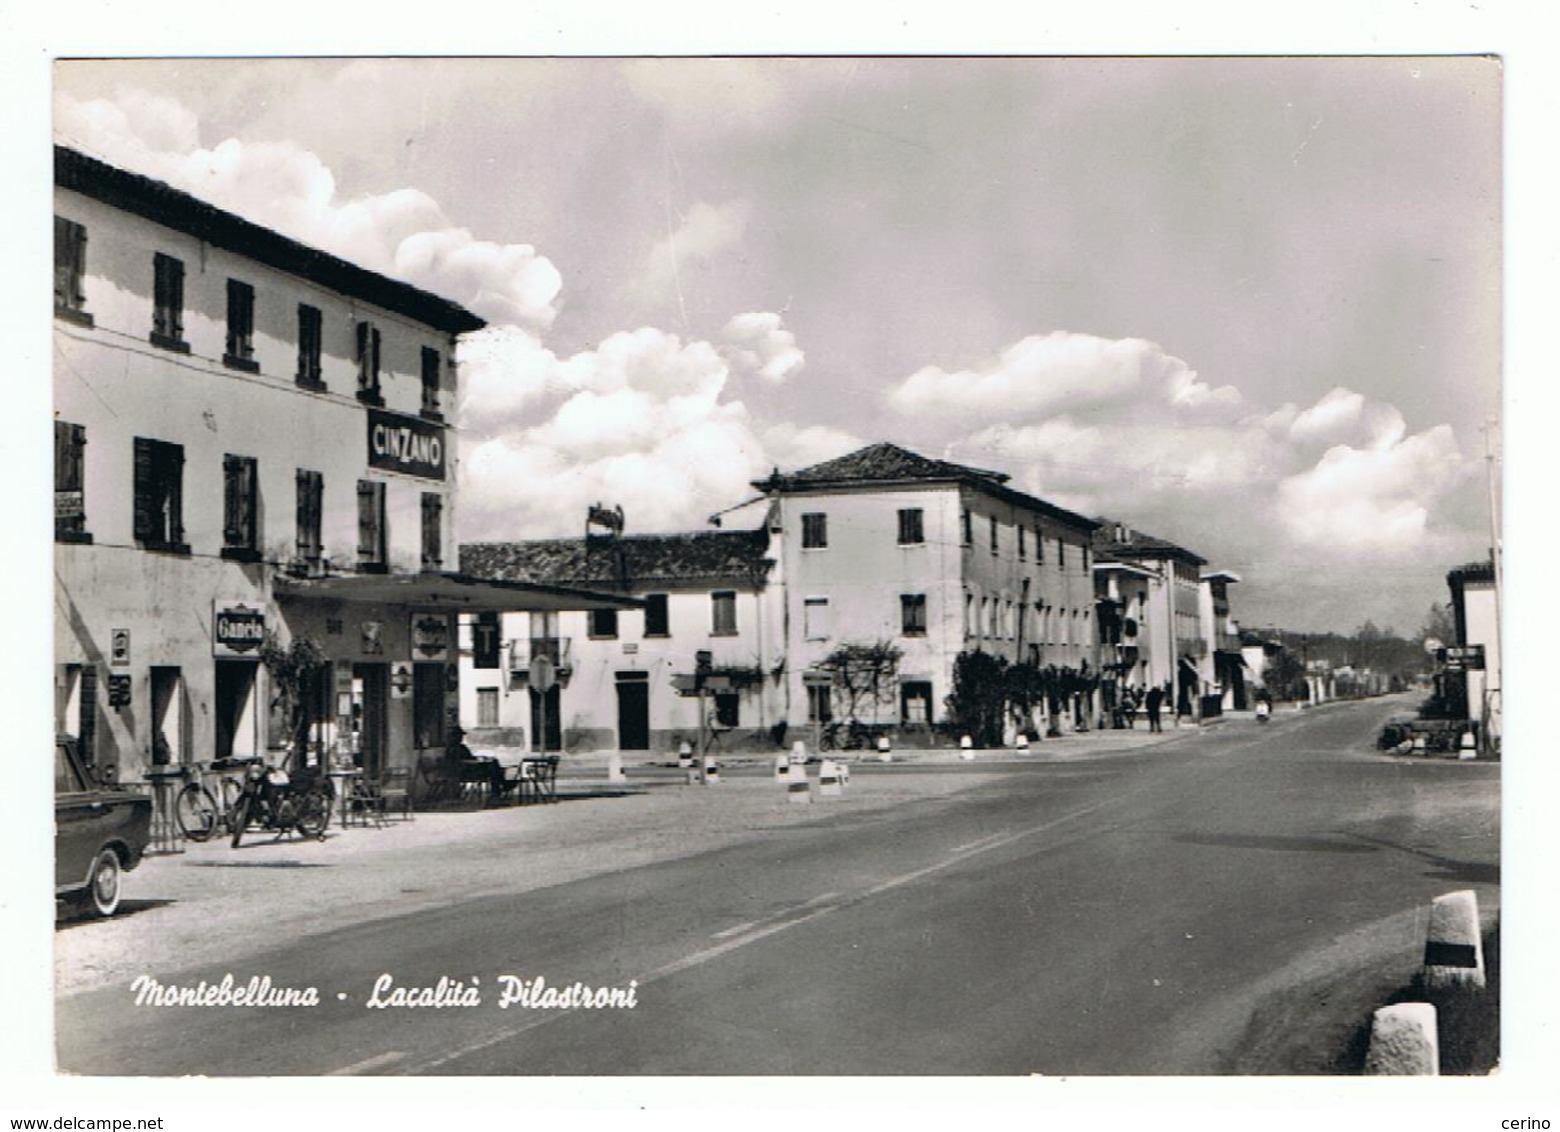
<point x="1022" y="744"/>
<point x="966" y="748"/>
<point x="797" y="790"/>
<point x="711" y="771"/>
<point x="1467" y="747"/>
<point x="1403" y="1042"/>
<point x="615" y="769"/>
<point x="828" y="779"/>
<point x="1454" y="951"/>
<point x="684" y="755"/>
<point x="782" y="769"/>
<point x="885" y="750"/>
<point x="798" y="753"/>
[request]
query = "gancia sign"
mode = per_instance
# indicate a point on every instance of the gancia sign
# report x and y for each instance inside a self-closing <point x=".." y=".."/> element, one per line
<point x="237" y="630"/>
<point x="407" y="445"/>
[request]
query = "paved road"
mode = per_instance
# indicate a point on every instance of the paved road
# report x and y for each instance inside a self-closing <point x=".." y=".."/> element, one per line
<point x="1181" y="910"/>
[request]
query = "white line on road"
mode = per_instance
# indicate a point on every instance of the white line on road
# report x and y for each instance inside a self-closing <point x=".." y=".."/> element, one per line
<point x="389" y="1057"/>
<point x="734" y="929"/>
<point x="737" y="929"/>
<point x="699" y="958"/>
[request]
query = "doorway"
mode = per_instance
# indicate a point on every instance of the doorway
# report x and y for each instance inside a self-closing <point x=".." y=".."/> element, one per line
<point x="237" y="722"/>
<point x="370" y="684"/>
<point x="553" y="739"/>
<point x="633" y="703"/>
<point x="167" y="716"/>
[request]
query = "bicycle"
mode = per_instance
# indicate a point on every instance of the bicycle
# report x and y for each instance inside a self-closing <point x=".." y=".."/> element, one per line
<point x="197" y="810"/>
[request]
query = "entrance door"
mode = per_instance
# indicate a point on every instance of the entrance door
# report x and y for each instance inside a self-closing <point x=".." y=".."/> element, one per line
<point x="553" y="740"/>
<point x="234" y="709"/>
<point x="633" y="698"/>
<point x="370" y="686"/>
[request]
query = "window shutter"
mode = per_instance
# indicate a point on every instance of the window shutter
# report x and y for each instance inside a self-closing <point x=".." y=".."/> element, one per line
<point x="175" y="473"/>
<point x="143" y="489"/>
<point x="232" y="505"/>
<point x="363" y="344"/>
<point x="432" y="522"/>
<point x="365" y="491"/>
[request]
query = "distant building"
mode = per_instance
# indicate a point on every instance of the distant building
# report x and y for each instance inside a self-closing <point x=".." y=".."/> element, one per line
<point x="1228" y="675"/>
<point x="249" y="440"/>
<point x="624" y="676"/>
<point x="1475" y="671"/>
<point x="933" y="557"/>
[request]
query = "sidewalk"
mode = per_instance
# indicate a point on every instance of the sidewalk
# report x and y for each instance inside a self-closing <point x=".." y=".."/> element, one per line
<point x="213" y="904"/>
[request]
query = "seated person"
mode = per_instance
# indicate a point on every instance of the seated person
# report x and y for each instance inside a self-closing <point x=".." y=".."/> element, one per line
<point x="476" y="768"/>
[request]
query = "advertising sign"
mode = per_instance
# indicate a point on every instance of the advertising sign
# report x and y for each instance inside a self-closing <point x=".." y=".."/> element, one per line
<point x="1461" y="658"/>
<point x="237" y="630"/>
<point x="430" y="636"/>
<point x="409" y="445"/>
<point x="119" y="647"/>
<point x="400" y="680"/>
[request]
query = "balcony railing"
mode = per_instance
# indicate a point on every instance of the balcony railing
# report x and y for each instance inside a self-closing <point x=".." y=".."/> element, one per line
<point x="559" y="650"/>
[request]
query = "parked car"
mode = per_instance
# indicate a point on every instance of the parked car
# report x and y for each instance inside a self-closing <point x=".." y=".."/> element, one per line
<point x="100" y="832"/>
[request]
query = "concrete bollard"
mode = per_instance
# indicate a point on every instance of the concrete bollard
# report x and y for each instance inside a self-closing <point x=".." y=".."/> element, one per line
<point x="1420" y="747"/>
<point x="966" y="747"/>
<point x="1467" y="748"/>
<point x="885" y="750"/>
<point x="1454" y="952"/>
<point x="844" y="771"/>
<point x="828" y="779"/>
<point x="798" y="753"/>
<point x="1403" y="1042"/>
<point x="615" y="769"/>
<point x="684" y="754"/>
<point x="1022" y="746"/>
<point x="711" y="771"/>
<point x="797" y="791"/>
<point x="782" y="769"/>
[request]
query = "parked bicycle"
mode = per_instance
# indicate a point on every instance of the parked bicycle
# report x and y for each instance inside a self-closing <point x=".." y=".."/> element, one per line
<point x="274" y="800"/>
<point x="842" y="735"/>
<point x="198" y="810"/>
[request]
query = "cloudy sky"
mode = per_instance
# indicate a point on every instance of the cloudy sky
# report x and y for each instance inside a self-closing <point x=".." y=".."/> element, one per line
<point x="1250" y="305"/>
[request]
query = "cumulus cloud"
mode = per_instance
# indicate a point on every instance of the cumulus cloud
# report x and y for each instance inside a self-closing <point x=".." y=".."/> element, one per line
<point x="704" y="233"/>
<point x="755" y="342"/>
<point x="642" y="420"/>
<point x="403" y="233"/>
<point x="1059" y="372"/>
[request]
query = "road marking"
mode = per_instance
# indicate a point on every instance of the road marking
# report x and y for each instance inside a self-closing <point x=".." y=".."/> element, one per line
<point x="736" y="929"/>
<point x="389" y="1057"/>
<point x="976" y="844"/>
<point x="753" y="933"/>
<point x="742" y="927"/>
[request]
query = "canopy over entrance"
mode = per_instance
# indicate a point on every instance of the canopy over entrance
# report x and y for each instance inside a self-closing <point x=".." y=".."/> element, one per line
<point x="450" y="592"/>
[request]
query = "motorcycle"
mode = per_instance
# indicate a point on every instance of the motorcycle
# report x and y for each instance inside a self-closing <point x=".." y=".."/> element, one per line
<point x="272" y="799"/>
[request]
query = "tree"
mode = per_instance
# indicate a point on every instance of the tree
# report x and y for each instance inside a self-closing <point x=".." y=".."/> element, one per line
<point x="294" y="669"/>
<point x="861" y="673"/>
<point x="979" y="698"/>
<point x="1440" y="624"/>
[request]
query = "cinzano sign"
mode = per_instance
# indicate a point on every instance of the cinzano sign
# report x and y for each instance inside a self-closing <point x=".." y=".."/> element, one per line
<point x="408" y="445"/>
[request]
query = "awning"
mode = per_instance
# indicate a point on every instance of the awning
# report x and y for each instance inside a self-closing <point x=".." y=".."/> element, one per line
<point x="449" y="592"/>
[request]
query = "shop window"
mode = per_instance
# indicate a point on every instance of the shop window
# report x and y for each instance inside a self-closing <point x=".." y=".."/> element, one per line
<point x="487" y="707"/>
<point x="309" y="339"/>
<point x="168" y="303"/>
<point x="372" y="541"/>
<point x="240" y="352"/>
<point x="431" y="363"/>
<point x="603" y="625"/>
<point x="723" y="607"/>
<point x="240" y="508"/>
<point x="159" y="495"/>
<point x="657" y="616"/>
<point x="815" y="530"/>
<point x="911" y="528"/>
<point x="815" y="618"/>
<point x="70" y="513"/>
<point x="311" y="502"/>
<point x="432" y="530"/>
<point x="368" y="390"/>
<point x="70" y="268"/>
<point x="912" y="615"/>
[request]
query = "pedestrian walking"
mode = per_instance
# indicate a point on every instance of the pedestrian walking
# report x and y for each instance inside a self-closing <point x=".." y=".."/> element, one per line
<point x="1156" y="697"/>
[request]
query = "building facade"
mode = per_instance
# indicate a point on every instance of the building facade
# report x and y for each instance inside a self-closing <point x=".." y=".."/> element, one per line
<point x="250" y="445"/>
<point x="698" y="663"/>
<point x="1476" y="667"/>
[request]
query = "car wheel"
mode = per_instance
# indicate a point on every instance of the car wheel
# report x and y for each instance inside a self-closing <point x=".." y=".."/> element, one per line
<point x="103" y="883"/>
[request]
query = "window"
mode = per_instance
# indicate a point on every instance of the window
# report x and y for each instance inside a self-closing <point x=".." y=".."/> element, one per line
<point x="1085" y="559"/>
<point x="309" y="347"/>
<point x="240" y="352"/>
<point x="815" y="618"/>
<point x="728" y="709"/>
<point x="70" y="268"/>
<point x="240" y="508"/>
<point x="723" y="606"/>
<point x="820" y="706"/>
<point x="815" y="530"/>
<point x="993" y="534"/>
<point x="368" y="364"/>
<point x="967" y="528"/>
<point x="70" y="511"/>
<point x="657" y="620"/>
<point x="1061" y="554"/>
<point x="1039" y="545"/>
<point x="487" y="707"/>
<point x="912" y="615"/>
<point x="1023" y="550"/>
<point x="159" y="495"/>
<point x="604" y="624"/>
<point x="915" y="702"/>
<point x="911" y="530"/>
<point x="432" y="530"/>
<point x="311" y="502"/>
<point x="430" y="384"/>
<point x="168" y="303"/>
<point x="970" y="628"/>
<point x="371" y="527"/>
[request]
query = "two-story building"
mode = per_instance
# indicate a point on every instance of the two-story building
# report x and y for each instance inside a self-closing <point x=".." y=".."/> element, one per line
<point x="1473" y="663"/>
<point x="250" y="445"/>
<point x="701" y="660"/>
<point x="932" y="557"/>
<point x="1224" y="669"/>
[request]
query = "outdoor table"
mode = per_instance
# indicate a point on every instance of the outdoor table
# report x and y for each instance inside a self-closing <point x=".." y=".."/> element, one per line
<point x="345" y="780"/>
